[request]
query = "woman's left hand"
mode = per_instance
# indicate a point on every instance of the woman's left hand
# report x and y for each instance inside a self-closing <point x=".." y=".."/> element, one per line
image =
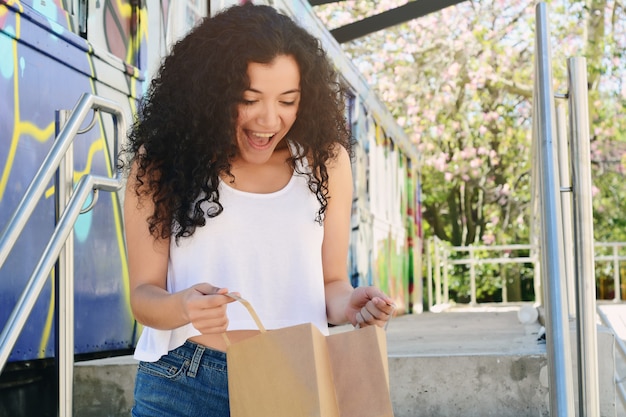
<point x="368" y="306"/>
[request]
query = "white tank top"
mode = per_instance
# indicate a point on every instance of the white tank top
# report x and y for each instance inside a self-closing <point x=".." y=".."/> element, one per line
<point x="267" y="247"/>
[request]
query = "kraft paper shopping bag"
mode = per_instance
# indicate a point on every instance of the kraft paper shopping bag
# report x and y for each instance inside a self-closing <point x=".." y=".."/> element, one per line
<point x="297" y="371"/>
<point x="361" y="372"/>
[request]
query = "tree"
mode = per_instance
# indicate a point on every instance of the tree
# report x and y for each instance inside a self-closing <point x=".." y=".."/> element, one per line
<point x="459" y="82"/>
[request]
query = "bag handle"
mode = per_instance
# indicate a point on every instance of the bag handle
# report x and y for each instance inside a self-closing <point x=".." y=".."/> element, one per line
<point x="259" y="324"/>
<point x="252" y="312"/>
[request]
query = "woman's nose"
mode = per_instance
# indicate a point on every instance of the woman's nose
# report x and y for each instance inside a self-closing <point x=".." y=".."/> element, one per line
<point x="269" y="115"/>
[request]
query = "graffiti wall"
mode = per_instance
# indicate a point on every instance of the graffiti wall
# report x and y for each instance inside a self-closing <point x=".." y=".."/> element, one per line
<point x="46" y="66"/>
<point x="385" y="243"/>
<point x="54" y="51"/>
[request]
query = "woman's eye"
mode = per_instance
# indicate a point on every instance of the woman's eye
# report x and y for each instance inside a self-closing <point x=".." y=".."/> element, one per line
<point x="288" y="103"/>
<point x="248" y="102"/>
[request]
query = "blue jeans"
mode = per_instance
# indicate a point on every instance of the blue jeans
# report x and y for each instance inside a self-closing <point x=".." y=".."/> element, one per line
<point x="189" y="381"/>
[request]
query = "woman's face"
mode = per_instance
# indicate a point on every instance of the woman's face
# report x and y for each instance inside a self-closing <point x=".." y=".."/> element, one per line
<point x="268" y="108"/>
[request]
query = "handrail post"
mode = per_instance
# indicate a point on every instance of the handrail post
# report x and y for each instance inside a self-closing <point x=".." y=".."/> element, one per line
<point x="588" y="388"/>
<point x="616" y="275"/>
<point x="85" y="186"/>
<point x="557" y="326"/>
<point x="429" y="272"/>
<point x="566" y="206"/>
<point x="472" y="276"/>
<point x="446" y="281"/>
<point x="64" y="281"/>
<point x="437" y="268"/>
<point x="503" y="282"/>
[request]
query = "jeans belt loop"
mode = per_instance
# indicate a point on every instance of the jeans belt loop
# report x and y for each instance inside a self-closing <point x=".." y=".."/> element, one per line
<point x="195" y="361"/>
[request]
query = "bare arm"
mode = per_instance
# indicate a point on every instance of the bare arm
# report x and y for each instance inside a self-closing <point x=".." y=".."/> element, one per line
<point x="363" y="305"/>
<point x="151" y="303"/>
<point x="337" y="238"/>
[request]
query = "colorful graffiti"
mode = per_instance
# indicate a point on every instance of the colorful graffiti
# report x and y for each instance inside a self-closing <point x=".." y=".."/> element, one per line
<point x="384" y="226"/>
<point x="49" y="57"/>
<point x="45" y="67"/>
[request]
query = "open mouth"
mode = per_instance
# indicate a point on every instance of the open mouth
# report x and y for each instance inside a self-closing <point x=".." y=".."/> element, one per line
<point x="260" y="140"/>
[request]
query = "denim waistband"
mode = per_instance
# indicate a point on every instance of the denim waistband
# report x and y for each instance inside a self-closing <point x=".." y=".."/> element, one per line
<point x="199" y="355"/>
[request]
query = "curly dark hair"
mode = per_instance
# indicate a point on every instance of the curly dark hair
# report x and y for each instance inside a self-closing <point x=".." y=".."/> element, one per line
<point x="183" y="137"/>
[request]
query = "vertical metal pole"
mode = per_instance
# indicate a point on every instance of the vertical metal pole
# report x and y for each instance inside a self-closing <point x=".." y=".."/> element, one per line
<point x="64" y="283"/>
<point x="588" y="388"/>
<point x="535" y="224"/>
<point x="559" y="214"/>
<point x="472" y="277"/>
<point x="429" y="274"/>
<point x="437" y="272"/>
<point x="557" y="327"/>
<point x="566" y="206"/>
<point x="446" y="287"/>
<point x="616" y="284"/>
<point x="504" y="283"/>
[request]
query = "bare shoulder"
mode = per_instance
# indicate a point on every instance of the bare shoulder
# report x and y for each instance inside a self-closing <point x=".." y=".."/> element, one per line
<point x="340" y="173"/>
<point x="340" y="158"/>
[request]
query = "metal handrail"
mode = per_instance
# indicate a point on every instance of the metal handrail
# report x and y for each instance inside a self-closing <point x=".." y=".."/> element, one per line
<point x="436" y="261"/>
<point x="585" y="283"/>
<point x="86" y="186"/>
<point x="557" y="326"/>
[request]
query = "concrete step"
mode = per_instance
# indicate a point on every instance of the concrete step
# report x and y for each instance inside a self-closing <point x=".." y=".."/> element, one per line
<point x="472" y="362"/>
<point x="104" y="387"/>
<point x="479" y="363"/>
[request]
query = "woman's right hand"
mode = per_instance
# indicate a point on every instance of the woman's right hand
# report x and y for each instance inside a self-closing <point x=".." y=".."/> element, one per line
<point x="205" y="307"/>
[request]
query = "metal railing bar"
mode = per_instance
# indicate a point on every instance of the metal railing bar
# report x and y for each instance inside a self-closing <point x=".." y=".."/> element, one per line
<point x="27" y="300"/>
<point x="516" y="246"/>
<point x="482" y="261"/>
<point x="566" y="189"/>
<point x="557" y="326"/>
<point x="610" y="244"/>
<point x="87" y="185"/>
<point x="434" y="267"/>
<point x="606" y="258"/>
<point x="64" y="271"/>
<point x="44" y="175"/>
<point x="588" y="382"/>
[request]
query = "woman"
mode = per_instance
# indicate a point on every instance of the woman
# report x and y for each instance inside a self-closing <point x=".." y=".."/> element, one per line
<point x="240" y="180"/>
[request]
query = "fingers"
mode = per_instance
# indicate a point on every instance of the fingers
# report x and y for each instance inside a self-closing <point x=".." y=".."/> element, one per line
<point x="375" y="312"/>
<point x="206" y="308"/>
<point x="210" y="290"/>
<point x="210" y="321"/>
<point x="373" y="293"/>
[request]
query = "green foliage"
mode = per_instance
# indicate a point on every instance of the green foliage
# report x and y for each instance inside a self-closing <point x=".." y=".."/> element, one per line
<point x="459" y="82"/>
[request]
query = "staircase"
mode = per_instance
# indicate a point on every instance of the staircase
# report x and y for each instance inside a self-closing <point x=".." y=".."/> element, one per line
<point x="462" y="362"/>
<point x="479" y="363"/>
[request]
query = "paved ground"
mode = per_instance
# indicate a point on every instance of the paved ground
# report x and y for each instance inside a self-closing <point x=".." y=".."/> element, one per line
<point x="467" y="331"/>
<point x="484" y="330"/>
<point x="434" y="344"/>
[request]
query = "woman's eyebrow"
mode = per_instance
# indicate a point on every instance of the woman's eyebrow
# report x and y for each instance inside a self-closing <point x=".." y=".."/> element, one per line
<point x="295" y="90"/>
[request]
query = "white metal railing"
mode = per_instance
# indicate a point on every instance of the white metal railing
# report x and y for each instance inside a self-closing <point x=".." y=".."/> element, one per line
<point x="440" y="258"/>
<point x="615" y="258"/>
<point x="68" y="209"/>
